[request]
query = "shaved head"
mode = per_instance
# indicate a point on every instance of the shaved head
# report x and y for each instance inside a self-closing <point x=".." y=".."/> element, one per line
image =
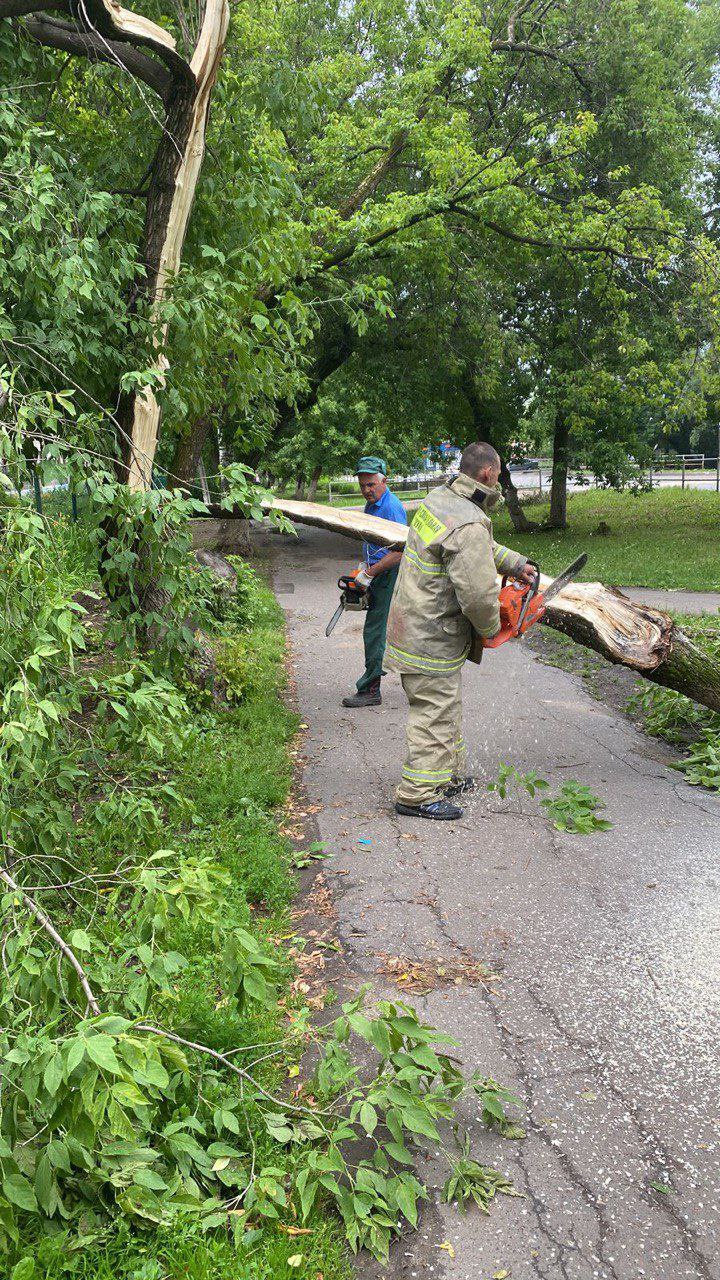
<point x="479" y="457"/>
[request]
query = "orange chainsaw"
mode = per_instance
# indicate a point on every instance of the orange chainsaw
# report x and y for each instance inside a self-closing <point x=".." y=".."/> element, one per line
<point x="352" y="596"/>
<point x="522" y="604"/>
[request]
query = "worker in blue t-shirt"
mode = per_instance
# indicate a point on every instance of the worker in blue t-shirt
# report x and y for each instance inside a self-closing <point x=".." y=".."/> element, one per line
<point x="378" y="575"/>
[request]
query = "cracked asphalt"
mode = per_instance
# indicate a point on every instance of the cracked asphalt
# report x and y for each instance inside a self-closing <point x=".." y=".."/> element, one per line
<point x="605" y="1014"/>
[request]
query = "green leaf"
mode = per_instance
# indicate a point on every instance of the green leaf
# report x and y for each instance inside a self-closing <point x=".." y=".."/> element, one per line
<point x="75" y="1054"/>
<point x="368" y="1117"/>
<point x="18" y="1190"/>
<point x="380" y="1037"/>
<point x="24" y="1270"/>
<point x="229" y="1121"/>
<point x="148" y="1178"/>
<point x="80" y="940"/>
<point x="101" y="1051"/>
<point x="661" y="1186"/>
<point x="45" y="1184"/>
<point x="58" y="1155"/>
<point x="53" y="1074"/>
<point x="407" y="1202"/>
<point x="419" y="1121"/>
<point x="398" y="1152"/>
<point x="492" y="1104"/>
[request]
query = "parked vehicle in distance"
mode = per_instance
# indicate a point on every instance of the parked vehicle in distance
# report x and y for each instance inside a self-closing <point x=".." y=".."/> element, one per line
<point x="527" y="464"/>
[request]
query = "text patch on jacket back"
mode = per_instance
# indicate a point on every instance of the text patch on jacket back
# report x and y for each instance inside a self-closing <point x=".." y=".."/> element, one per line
<point x="427" y="526"/>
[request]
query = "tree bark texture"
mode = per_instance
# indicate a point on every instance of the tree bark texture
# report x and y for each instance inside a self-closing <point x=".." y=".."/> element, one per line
<point x="174" y="177"/>
<point x="558" y="485"/>
<point x="103" y="30"/>
<point x="599" y="617"/>
<point x="188" y="452"/>
<point x="520" y="522"/>
<point x="314" y="482"/>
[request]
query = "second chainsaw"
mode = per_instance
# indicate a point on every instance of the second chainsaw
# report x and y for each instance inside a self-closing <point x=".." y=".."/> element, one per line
<point x="353" y="597"/>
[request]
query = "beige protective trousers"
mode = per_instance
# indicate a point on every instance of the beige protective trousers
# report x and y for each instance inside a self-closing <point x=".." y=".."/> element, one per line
<point x="435" y="744"/>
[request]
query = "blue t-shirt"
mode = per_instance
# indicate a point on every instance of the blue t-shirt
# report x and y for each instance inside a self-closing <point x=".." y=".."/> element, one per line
<point x="388" y="508"/>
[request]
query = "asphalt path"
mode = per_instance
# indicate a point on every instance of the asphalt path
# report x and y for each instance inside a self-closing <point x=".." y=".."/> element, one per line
<point x="605" y="1013"/>
<point x="676" y="601"/>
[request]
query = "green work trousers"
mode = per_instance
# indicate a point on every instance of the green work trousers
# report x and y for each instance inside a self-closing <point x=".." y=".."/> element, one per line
<point x="375" y="627"/>
<point x="435" y="744"/>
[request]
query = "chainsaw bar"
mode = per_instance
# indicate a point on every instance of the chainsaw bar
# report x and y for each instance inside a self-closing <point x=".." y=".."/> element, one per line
<point x="563" y="578"/>
<point x="335" y="618"/>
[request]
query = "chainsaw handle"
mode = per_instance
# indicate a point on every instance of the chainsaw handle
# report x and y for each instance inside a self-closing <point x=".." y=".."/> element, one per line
<point x="534" y="587"/>
<point x="505" y="633"/>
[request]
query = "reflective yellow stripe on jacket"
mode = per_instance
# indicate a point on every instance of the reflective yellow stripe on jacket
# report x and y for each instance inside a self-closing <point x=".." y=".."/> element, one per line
<point x="420" y="662"/>
<point x="425" y="566"/>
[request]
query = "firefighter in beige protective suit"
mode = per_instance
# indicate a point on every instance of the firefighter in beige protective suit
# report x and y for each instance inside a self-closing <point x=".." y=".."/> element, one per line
<point x="445" y="602"/>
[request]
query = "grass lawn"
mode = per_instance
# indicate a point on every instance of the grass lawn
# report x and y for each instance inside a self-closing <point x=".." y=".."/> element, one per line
<point x="668" y="538"/>
<point x="356" y="499"/>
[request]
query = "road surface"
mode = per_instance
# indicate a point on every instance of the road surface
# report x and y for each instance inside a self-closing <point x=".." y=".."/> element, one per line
<point x="605" y="1015"/>
<point x="705" y="480"/>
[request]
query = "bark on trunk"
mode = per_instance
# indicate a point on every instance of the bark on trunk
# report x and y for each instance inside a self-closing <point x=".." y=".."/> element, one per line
<point x="520" y="522"/>
<point x="174" y="177"/>
<point x="188" y="452"/>
<point x="213" y="455"/>
<point x="103" y="30"/>
<point x="314" y="482"/>
<point x="204" y="486"/>
<point x="558" y="485"/>
<point x="599" y="617"/>
<point x="636" y="636"/>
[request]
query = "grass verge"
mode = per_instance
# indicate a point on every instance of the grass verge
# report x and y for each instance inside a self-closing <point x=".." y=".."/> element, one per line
<point x="665" y="539"/>
<point x="662" y="713"/>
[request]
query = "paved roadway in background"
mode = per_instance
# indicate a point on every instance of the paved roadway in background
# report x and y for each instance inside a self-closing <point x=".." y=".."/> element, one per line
<point x="605" y="1015"/>
<point x="705" y="480"/>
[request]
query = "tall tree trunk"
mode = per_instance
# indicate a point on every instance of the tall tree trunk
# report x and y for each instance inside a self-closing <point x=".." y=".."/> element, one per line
<point x="204" y="486"/>
<point x="558" y="485"/>
<point x="314" y="482"/>
<point x="212" y="446"/>
<point x="188" y="452"/>
<point x="520" y="522"/>
<point x="173" y="180"/>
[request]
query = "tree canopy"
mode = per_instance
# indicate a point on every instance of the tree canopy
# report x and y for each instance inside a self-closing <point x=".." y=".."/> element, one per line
<point x="410" y="221"/>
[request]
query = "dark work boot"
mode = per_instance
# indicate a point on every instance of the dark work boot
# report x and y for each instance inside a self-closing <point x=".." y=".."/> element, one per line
<point x="436" y="810"/>
<point x="459" y="787"/>
<point x="370" y="697"/>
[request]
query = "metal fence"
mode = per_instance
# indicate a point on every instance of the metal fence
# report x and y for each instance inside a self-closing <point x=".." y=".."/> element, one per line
<point x="667" y="471"/>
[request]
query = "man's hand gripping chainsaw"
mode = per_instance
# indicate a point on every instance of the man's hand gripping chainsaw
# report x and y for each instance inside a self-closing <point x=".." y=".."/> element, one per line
<point x="353" y="594"/>
<point x="522" y="604"/>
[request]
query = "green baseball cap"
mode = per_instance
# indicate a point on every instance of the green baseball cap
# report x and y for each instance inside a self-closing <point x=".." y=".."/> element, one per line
<point x="371" y="465"/>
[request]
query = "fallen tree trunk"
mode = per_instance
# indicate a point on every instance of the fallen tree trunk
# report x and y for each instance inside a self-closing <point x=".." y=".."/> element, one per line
<point x="636" y="636"/>
<point x="601" y="618"/>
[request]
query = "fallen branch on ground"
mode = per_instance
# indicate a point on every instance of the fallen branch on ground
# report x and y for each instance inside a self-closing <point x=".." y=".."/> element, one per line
<point x="59" y="941"/>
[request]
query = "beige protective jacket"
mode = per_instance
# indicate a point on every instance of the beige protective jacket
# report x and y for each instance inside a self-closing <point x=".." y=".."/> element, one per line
<point x="447" y="593"/>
